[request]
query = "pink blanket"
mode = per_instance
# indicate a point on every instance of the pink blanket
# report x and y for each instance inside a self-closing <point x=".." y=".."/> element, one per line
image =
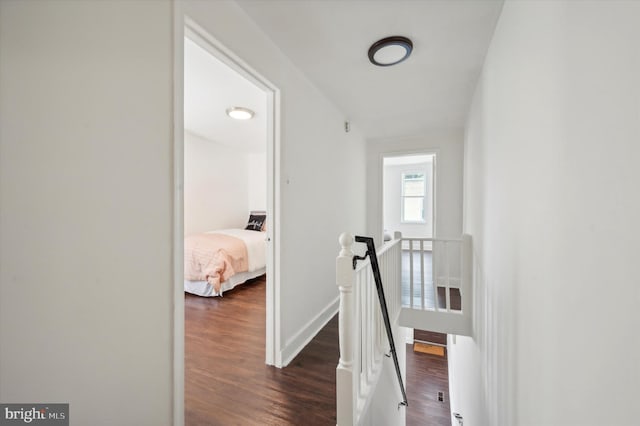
<point x="214" y="258"/>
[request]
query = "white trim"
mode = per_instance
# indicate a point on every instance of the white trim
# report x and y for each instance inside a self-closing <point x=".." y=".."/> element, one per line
<point x="296" y="343"/>
<point x="178" y="215"/>
<point x="273" y="356"/>
<point x="434" y="192"/>
<point x="407" y="153"/>
<point x="199" y="35"/>
<point x="452" y="322"/>
<point x="403" y="197"/>
<point x="408" y="335"/>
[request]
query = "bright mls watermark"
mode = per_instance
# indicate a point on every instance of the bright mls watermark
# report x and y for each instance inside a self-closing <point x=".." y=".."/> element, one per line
<point x="34" y="414"/>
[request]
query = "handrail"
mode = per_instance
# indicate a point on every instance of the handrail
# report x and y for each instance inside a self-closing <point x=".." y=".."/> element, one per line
<point x="371" y="252"/>
<point x="381" y="251"/>
<point x="444" y="240"/>
<point x="431" y="265"/>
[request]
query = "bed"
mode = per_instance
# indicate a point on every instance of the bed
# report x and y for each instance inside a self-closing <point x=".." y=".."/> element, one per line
<point x="217" y="261"/>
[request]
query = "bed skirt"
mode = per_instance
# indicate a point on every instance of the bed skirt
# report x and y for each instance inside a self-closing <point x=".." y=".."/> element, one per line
<point x="203" y="288"/>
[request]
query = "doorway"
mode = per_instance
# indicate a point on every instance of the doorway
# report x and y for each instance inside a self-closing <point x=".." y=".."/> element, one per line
<point x="409" y="206"/>
<point x="270" y="163"/>
<point x="408" y="194"/>
<point x="198" y="35"/>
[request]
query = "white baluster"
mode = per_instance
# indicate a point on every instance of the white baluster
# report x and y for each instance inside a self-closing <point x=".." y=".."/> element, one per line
<point x="366" y="325"/>
<point x="344" y="372"/>
<point x="385" y="285"/>
<point x="357" y="356"/>
<point x="398" y="270"/>
<point x="422" y="274"/>
<point x="447" y="294"/>
<point x="411" y="273"/>
<point x="435" y="256"/>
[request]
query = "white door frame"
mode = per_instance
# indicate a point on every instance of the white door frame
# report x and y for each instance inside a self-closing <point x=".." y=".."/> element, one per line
<point x="184" y="26"/>
<point x="409" y="153"/>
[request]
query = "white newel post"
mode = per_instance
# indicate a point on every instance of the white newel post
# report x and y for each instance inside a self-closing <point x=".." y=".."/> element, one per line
<point x="344" y="372"/>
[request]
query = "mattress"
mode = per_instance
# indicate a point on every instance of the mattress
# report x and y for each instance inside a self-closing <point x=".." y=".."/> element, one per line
<point x="255" y="243"/>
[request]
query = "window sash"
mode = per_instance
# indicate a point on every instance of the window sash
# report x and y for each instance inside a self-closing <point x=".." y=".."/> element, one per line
<point x="412" y="212"/>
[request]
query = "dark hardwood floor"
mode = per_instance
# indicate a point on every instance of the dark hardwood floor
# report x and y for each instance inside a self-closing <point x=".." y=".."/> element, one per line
<point x="228" y="383"/>
<point x="226" y="379"/>
<point x="426" y="376"/>
<point x="430" y="336"/>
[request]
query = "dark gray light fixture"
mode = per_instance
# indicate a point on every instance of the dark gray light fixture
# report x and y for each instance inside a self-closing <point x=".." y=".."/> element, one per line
<point x="390" y="51"/>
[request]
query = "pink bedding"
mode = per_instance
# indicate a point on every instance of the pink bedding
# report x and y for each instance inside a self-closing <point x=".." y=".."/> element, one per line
<point x="214" y="258"/>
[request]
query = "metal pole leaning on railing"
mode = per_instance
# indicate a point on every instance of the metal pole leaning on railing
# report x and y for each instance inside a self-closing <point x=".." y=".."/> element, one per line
<point x="371" y="252"/>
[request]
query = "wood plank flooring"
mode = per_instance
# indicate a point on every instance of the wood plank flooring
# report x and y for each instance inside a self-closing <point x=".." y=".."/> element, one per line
<point x="426" y="376"/>
<point x="430" y="336"/>
<point x="227" y="382"/>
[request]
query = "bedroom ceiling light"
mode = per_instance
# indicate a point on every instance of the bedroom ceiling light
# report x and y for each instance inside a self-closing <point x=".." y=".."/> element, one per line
<point x="240" y="113"/>
<point x="390" y="51"/>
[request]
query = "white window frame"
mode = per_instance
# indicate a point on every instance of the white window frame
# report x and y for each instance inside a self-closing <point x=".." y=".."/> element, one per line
<point x="423" y="196"/>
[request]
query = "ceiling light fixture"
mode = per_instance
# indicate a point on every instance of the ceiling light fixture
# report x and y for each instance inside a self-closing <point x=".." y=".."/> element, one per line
<point x="390" y="51"/>
<point x="240" y="113"/>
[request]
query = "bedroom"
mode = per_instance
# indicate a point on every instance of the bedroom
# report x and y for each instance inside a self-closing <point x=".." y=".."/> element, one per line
<point x="225" y="173"/>
<point x="225" y="193"/>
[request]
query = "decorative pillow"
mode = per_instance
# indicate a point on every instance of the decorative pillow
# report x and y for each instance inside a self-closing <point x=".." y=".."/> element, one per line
<point x="255" y="222"/>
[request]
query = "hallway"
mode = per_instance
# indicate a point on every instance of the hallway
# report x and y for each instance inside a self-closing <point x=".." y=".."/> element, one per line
<point x="227" y="382"/>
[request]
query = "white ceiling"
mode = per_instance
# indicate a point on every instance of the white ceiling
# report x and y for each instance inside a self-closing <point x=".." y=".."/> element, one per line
<point x="210" y="87"/>
<point x="328" y="40"/>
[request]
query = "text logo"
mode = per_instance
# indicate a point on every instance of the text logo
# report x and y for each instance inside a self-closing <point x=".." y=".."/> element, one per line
<point x="34" y="414"/>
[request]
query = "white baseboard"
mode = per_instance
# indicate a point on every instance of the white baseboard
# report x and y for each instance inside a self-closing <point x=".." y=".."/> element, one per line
<point x="294" y="345"/>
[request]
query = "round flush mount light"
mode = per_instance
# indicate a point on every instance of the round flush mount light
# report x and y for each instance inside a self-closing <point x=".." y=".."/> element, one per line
<point x="240" y="113"/>
<point x="390" y="51"/>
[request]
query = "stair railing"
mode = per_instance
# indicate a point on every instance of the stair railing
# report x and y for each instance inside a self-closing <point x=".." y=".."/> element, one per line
<point x="364" y="317"/>
<point x="437" y="284"/>
<point x="371" y="253"/>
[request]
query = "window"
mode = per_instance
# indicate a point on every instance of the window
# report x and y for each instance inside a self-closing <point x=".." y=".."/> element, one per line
<point x="413" y="195"/>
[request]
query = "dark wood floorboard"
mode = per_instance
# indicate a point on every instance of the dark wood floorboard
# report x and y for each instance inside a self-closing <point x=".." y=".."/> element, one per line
<point x="426" y="376"/>
<point x="227" y="382"/>
<point x="226" y="379"/>
<point x="430" y="336"/>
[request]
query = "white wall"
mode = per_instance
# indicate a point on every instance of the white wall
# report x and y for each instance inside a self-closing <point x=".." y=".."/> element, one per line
<point x="383" y="408"/>
<point x="257" y="180"/>
<point x="86" y="193"/>
<point x="87" y="190"/>
<point x="551" y="200"/>
<point x="448" y="146"/>
<point x="392" y="200"/>
<point x="216" y="185"/>
<point x="322" y="173"/>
